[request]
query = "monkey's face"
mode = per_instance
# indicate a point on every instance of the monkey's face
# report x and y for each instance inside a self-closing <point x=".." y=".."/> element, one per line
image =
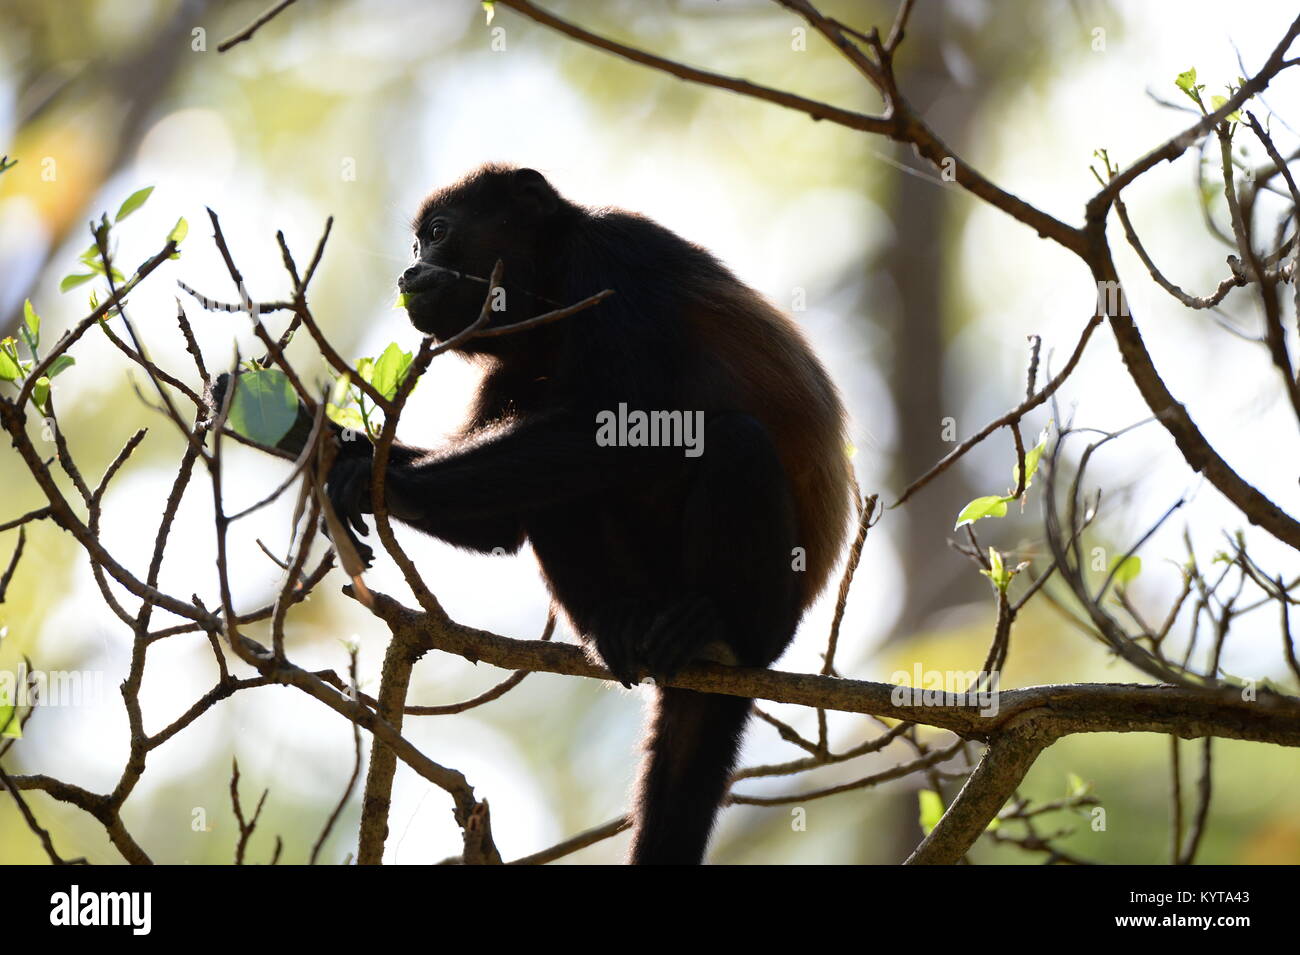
<point x="460" y="234"/>
<point x="445" y="286"/>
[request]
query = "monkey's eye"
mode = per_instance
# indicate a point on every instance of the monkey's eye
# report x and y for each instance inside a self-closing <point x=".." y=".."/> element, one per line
<point x="438" y="231"/>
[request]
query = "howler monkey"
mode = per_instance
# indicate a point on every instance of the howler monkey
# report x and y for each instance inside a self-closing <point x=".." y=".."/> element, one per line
<point x="658" y="556"/>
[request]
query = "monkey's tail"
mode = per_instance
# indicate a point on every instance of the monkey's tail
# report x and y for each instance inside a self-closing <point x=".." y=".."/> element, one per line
<point x="690" y="753"/>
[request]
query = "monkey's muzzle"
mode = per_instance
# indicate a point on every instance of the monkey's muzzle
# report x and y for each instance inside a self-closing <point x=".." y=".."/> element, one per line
<point x="421" y="277"/>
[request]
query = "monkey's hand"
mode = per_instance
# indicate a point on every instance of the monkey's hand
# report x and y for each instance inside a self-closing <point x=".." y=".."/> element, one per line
<point x="348" y="483"/>
<point x="348" y="488"/>
<point x="293" y="441"/>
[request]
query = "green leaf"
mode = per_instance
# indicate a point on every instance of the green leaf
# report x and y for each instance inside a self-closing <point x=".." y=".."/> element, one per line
<point x="1126" y="569"/>
<point x="991" y="506"/>
<point x="10" y="725"/>
<point x="346" y="417"/>
<point x="1217" y="103"/>
<point x="134" y="201"/>
<point x="490" y="9"/>
<point x="1032" y="457"/>
<point x="32" y="320"/>
<point x="41" y="392"/>
<point x="931" y="809"/>
<point x="179" y="231"/>
<point x="264" y="406"/>
<point x="97" y="266"/>
<point x="366" y="369"/>
<point x="60" y="363"/>
<point x="1076" y="784"/>
<point x="997" y="571"/>
<point x="72" y="281"/>
<point x="1187" y="83"/>
<point x="9" y="369"/>
<point x="403" y="300"/>
<point x="339" y="393"/>
<point x="390" y="369"/>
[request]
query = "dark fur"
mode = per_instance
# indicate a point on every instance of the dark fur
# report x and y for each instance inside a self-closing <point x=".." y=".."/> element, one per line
<point x="657" y="558"/>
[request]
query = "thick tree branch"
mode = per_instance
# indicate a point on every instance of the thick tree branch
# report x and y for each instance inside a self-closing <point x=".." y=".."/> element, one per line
<point x="1187" y="712"/>
<point x="1000" y="771"/>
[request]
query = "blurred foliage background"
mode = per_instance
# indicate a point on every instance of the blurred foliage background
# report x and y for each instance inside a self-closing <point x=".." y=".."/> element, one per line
<point x="918" y="299"/>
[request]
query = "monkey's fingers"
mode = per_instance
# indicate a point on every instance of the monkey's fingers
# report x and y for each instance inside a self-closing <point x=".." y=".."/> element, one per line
<point x="348" y="493"/>
<point x="364" y="551"/>
<point x="358" y="522"/>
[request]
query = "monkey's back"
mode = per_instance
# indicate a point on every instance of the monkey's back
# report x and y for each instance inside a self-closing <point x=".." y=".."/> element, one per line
<point x="778" y="379"/>
<point x="692" y="336"/>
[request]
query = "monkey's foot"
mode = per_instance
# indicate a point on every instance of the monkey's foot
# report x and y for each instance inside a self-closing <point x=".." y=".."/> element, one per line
<point x="635" y="642"/>
<point x="615" y="633"/>
<point x="678" y="634"/>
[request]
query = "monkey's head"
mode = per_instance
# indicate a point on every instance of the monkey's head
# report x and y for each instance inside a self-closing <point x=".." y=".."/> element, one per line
<point x="496" y="212"/>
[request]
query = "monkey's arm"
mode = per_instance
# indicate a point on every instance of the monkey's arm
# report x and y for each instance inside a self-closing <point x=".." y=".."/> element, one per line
<point x="477" y="496"/>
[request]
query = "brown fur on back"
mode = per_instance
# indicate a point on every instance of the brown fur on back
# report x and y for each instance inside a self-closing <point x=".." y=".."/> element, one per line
<point x="769" y="366"/>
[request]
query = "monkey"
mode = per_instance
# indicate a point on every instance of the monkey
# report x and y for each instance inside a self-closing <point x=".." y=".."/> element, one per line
<point x="657" y="557"/>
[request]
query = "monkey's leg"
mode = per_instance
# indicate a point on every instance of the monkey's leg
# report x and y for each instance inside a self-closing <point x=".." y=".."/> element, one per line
<point x="739" y="533"/>
<point x="689" y="628"/>
<point x="615" y="627"/>
<point x="739" y="585"/>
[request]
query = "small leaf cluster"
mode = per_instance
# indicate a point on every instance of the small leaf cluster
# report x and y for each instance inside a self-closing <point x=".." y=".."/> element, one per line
<point x="92" y="260"/>
<point x="265" y="406"/>
<point x="14" y="368"/>
<point x="349" y="407"/>
<point x="1186" y="81"/>
<point x="995" y="505"/>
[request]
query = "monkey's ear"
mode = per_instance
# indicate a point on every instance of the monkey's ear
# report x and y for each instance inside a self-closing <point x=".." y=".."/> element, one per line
<point x="531" y="188"/>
